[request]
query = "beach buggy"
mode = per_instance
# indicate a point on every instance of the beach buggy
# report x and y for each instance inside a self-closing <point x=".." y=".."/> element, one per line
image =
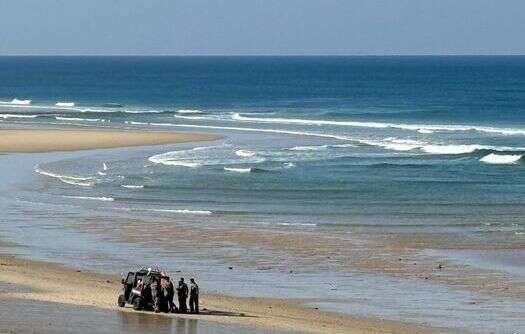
<point x="136" y="290"/>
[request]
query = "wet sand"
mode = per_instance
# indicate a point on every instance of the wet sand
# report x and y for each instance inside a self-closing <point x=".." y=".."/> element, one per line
<point x="31" y="140"/>
<point x="37" y="283"/>
<point x="26" y="316"/>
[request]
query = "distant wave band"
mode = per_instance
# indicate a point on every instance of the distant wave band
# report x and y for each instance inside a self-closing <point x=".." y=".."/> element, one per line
<point x="422" y="128"/>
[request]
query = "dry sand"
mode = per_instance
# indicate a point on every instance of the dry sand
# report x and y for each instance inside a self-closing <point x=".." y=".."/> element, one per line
<point x="53" y="283"/>
<point x="29" y="140"/>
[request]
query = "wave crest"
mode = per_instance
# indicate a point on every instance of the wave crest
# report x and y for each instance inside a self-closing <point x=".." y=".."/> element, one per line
<point x="503" y="159"/>
<point x="238" y="170"/>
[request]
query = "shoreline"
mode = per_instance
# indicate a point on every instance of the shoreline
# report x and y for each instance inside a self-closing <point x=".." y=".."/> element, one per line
<point x="70" y="139"/>
<point x="59" y="284"/>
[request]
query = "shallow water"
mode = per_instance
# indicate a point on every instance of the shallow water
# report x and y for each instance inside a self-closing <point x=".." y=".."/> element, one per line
<point x="78" y="238"/>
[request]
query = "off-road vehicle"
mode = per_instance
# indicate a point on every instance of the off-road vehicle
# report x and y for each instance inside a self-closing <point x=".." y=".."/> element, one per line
<point x="136" y="290"/>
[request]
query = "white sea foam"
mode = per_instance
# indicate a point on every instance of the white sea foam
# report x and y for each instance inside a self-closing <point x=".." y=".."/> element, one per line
<point x="288" y="165"/>
<point x="394" y="144"/>
<point x="297" y="133"/>
<point x="136" y="123"/>
<point x="46" y="173"/>
<point x="101" y="173"/>
<point x="79" y="119"/>
<point x="451" y="149"/>
<point x="238" y="170"/>
<point x="183" y="211"/>
<point x="65" y="104"/>
<point x="493" y="158"/>
<point x="244" y="153"/>
<point x="132" y="186"/>
<point x="341" y="145"/>
<point x="391" y="145"/>
<point x="309" y="148"/>
<point x="193" y="117"/>
<point x="16" y="101"/>
<point x="73" y="180"/>
<point x="297" y="224"/>
<point x="104" y="199"/>
<point x="426" y="128"/>
<point x="189" y="111"/>
<point x="5" y="116"/>
<point x="76" y="183"/>
<point x="166" y="159"/>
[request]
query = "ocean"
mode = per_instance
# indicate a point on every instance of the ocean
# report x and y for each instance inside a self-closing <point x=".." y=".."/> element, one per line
<point x="323" y="145"/>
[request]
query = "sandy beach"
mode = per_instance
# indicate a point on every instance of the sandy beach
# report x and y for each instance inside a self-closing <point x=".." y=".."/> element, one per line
<point x="45" y="282"/>
<point x="32" y="140"/>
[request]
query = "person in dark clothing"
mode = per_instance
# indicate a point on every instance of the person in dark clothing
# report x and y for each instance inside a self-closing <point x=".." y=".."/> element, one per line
<point x="194" y="297"/>
<point x="182" y="293"/>
<point x="168" y="291"/>
<point x="155" y="294"/>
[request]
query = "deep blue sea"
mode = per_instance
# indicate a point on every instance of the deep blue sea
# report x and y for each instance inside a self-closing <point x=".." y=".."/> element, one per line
<point x="346" y="147"/>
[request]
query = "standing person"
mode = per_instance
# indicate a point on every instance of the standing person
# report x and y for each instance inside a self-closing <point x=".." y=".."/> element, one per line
<point x="194" y="297"/>
<point x="169" y="292"/>
<point x="182" y="292"/>
<point x="155" y="294"/>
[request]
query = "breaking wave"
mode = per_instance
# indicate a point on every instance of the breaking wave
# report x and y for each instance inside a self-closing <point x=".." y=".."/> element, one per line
<point x="189" y="111"/>
<point x="297" y="133"/>
<point x="504" y="159"/>
<point x="65" y="104"/>
<point x="238" y="170"/>
<point x="79" y="119"/>
<point x="203" y="156"/>
<point x="104" y="199"/>
<point x="309" y="148"/>
<point x="16" y="101"/>
<point x="422" y="128"/>
<point x="72" y="180"/>
<point x="452" y="149"/>
<point x="5" y="116"/>
<point x="131" y="186"/>
<point x="245" y="153"/>
<point x="183" y="211"/>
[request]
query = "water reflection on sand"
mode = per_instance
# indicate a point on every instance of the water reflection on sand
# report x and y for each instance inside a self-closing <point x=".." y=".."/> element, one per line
<point x="18" y="315"/>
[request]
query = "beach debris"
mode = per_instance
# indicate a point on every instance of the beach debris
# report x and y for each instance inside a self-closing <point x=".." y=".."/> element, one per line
<point x="79" y="271"/>
<point x="230" y="268"/>
<point x="242" y="314"/>
<point x="440" y="266"/>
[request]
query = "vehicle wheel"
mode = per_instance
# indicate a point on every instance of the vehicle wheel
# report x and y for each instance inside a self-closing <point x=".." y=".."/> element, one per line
<point x="121" y="301"/>
<point x="137" y="304"/>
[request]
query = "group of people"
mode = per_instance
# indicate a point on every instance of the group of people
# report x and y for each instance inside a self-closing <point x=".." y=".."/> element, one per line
<point x="164" y="291"/>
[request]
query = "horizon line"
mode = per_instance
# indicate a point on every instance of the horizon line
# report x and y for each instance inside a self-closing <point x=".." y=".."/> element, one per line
<point x="263" y="55"/>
